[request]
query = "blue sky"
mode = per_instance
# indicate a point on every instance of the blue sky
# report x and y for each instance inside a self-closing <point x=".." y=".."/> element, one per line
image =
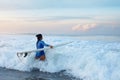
<point x="42" y="4"/>
<point x="77" y="17"/>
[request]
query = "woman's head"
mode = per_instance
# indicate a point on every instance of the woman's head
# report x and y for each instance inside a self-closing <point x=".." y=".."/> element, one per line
<point x="39" y="36"/>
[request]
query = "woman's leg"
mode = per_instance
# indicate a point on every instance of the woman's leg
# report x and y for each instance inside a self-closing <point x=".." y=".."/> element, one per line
<point x="42" y="57"/>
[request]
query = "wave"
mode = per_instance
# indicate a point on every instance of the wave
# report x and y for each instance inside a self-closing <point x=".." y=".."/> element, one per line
<point x="87" y="59"/>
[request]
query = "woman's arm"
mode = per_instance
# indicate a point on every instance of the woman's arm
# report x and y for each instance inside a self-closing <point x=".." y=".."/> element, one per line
<point x="47" y="45"/>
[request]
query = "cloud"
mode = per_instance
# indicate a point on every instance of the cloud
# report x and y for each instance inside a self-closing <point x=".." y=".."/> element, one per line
<point x="84" y="27"/>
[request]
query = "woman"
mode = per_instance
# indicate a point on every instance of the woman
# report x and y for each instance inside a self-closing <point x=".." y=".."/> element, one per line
<point x="40" y="44"/>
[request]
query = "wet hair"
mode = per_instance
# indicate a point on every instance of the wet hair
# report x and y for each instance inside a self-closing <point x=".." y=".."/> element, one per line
<point x="39" y="37"/>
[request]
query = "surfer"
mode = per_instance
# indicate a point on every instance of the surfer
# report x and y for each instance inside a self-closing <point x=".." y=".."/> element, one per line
<point x="40" y="44"/>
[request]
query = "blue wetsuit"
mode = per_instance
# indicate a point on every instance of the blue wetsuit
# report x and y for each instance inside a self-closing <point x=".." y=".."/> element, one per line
<point x="40" y="44"/>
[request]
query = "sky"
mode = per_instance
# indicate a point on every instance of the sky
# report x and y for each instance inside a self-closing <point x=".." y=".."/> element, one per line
<point x="69" y="17"/>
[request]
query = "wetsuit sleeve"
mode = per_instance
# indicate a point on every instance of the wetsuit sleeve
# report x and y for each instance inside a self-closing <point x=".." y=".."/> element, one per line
<point x="45" y="44"/>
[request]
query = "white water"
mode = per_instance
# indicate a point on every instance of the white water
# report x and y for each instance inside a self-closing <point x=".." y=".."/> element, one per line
<point x="90" y="58"/>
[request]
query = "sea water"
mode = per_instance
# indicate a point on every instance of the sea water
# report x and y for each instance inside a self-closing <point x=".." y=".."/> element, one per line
<point x="87" y="57"/>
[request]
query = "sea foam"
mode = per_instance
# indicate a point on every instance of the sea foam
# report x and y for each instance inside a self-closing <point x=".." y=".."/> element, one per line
<point x="87" y="59"/>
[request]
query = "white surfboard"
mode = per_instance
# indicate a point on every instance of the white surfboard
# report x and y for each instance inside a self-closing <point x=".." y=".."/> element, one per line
<point x="25" y="53"/>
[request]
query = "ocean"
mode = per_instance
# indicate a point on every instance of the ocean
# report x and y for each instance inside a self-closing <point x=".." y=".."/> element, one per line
<point x="86" y="58"/>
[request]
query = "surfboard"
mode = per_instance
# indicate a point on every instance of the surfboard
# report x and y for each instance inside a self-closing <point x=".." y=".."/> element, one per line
<point x="25" y="53"/>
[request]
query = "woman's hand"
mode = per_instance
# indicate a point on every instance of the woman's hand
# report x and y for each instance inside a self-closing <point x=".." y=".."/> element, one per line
<point x="51" y="46"/>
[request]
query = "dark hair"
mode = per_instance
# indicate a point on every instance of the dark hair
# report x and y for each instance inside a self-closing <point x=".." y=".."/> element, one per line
<point x="39" y="37"/>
